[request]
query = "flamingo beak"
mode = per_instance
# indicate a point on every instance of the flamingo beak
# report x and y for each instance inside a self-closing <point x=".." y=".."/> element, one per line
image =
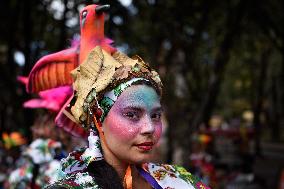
<point x="102" y="8"/>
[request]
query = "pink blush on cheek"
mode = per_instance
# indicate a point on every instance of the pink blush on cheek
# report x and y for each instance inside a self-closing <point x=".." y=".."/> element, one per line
<point x="158" y="132"/>
<point x="122" y="129"/>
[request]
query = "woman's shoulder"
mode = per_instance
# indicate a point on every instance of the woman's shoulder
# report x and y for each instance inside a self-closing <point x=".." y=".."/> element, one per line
<point x="173" y="176"/>
<point x="77" y="180"/>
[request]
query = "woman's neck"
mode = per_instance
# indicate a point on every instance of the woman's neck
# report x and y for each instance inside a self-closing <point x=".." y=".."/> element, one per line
<point x="119" y="165"/>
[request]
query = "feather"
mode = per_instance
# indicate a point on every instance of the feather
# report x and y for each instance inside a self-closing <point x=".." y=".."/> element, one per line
<point x="52" y="71"/>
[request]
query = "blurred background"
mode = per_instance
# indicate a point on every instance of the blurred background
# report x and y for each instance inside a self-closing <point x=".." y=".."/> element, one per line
<point x="221" y="62"/>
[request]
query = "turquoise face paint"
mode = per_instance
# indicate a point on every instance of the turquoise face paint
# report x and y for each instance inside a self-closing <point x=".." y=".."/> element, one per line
<point x="146" y="98"/>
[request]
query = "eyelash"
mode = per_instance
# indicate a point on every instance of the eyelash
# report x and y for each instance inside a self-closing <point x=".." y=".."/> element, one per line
<point x="131" y="115"/>
<point x="156" y="116"/>
<point x="135" y="116"/>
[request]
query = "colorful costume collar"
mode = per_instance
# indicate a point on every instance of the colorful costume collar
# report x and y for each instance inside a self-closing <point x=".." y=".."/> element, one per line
<point x="159" y="176"/>
<point x="79" y="160"/>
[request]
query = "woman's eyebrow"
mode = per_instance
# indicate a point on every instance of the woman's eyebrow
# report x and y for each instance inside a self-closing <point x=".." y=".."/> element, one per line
<point x="131" y="107"/>
<point x="140" y="108"/>
<point x="158" y="109"/>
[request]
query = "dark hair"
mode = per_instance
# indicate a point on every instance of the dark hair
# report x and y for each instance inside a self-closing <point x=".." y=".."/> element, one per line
<point x="105" y="175"/>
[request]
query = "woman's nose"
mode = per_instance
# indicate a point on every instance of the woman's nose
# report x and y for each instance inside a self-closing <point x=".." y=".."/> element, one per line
<point x="147" y="126"/>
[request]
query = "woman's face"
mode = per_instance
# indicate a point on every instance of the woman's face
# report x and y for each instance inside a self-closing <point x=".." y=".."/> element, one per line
<point x="133" y="125"/>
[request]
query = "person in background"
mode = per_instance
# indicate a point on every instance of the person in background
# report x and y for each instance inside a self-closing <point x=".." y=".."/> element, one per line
<point x="39" y="163"/>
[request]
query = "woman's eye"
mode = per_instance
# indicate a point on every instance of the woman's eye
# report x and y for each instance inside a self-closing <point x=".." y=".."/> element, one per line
<point x="131" y="115"/>
<point x="156" y="116"/>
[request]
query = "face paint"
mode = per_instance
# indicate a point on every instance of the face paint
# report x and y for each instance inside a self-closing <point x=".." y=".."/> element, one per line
<point x="133" y="125"/>
<point x="111" y="97"/>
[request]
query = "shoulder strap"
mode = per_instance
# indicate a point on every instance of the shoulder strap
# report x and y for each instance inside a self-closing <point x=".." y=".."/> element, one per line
<point x="149" y="178"/>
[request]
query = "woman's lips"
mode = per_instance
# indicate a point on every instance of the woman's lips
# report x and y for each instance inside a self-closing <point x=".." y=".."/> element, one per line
<point x="145" y="146"/>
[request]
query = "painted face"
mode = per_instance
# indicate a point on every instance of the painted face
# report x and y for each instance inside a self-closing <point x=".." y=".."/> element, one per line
<point x="133" y="126"/>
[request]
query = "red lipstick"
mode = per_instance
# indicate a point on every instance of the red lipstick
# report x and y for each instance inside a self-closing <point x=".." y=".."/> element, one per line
<point x="145" y="146"/>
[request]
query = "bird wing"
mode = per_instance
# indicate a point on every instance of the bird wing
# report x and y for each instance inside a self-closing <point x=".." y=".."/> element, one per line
<point x="53" y="70"/>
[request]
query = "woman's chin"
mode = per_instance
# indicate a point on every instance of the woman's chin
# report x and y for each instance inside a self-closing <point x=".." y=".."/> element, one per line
<point x="141" y="158"/>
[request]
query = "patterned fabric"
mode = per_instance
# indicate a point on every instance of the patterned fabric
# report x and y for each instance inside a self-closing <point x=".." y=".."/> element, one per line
<point x="173" y="176"/>
<point x="76" y="181"/>
<point x="110" y="97"/>
<point x="39" y="155"/>
<point x="80" y="159"/>
<point x="167" y="176"/>
<point x="42" y="150"/>
<point x="21" y="176"/>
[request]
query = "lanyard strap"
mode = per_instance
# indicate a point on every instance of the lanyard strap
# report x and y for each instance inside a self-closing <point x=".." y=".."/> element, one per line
<point x="149" y="178"/>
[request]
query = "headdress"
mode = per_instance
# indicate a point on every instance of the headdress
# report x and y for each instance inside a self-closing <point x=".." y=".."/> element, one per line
<point x="102" y="78"/>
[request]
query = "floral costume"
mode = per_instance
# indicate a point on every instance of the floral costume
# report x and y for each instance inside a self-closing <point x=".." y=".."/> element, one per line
<point x="160" y="176"/>
<point x="38" y="156"/>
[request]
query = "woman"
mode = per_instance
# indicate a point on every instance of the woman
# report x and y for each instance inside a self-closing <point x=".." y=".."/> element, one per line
<point x="117" y="99"/>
